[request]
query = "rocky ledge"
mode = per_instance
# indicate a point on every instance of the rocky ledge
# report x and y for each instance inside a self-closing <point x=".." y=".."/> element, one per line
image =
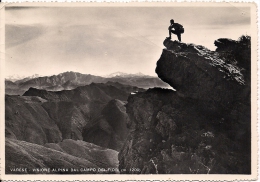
<point x="201" y="128"/>
<point x="196" y="72"/>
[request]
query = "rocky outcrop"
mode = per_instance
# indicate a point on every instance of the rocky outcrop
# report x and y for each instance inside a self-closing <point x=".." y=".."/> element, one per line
<point x="226" y="45"/>
<point x="198" y="73"/>
<point x="202" y="127"/>
<point x="237" y="52"/>
<point x="58" y="158"/>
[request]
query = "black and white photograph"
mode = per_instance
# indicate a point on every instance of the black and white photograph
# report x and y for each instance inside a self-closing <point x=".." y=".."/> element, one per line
<point x="129" y="89"/>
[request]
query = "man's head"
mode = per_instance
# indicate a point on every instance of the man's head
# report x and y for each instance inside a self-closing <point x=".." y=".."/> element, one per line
<point x="172" y="21"/>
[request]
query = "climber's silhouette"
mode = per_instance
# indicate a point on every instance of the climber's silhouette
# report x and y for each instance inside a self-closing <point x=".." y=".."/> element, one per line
<point x="178" y="29"/>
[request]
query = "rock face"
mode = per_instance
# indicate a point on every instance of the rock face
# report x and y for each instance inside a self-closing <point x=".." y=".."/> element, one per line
<point x="109" y="130"/>
<point x="202" y="127"/>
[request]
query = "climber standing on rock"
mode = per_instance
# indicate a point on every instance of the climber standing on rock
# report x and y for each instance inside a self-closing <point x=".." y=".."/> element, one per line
<point x="178" y="29"/>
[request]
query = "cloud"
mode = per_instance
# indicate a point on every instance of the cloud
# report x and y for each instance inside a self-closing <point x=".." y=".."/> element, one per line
<point x="19" y="34"/>
<point x="95" y="49"/>
<point x="103" y="40"/>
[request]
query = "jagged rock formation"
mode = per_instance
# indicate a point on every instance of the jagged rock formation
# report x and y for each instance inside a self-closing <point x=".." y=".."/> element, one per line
<point x="203" y="127"/>
<point x="68" y="154"/>
<point x="94" y="113"/>
<point x="237" y="52"/>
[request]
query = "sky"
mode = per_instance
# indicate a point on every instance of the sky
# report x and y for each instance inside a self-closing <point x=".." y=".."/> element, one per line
<point x="103" y="40"/>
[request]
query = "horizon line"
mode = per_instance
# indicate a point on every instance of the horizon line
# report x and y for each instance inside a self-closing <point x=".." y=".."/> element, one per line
<point x="37" y="75"/>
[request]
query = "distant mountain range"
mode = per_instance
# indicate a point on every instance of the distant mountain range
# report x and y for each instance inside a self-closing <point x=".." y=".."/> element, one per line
<point x="121" y="74"/>
<point x="15" y="78"/>
<point x="71" y="80"/>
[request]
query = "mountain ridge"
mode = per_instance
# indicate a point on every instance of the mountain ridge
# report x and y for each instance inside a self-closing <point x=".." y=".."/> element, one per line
<point x="71" y="80"/>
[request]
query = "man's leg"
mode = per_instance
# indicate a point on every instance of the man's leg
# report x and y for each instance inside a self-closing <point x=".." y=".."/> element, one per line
<point x="177" y="33"/>
<point x="179" y="36"/>
<point x="170" y="35"/>
<point x="172" y="31"/>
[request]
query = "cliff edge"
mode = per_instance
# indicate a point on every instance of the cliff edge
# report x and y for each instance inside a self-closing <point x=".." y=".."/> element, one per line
<point x="196" y="72"/>
<point x="201" y="128"/>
